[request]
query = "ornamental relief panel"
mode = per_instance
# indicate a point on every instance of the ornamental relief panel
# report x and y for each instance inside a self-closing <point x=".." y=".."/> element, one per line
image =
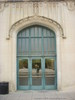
<point x="1" y="7"/>
<point x="70" y="5"/>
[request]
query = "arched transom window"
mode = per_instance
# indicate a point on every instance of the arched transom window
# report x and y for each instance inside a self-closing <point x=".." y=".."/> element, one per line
<point x="36" y="41"/>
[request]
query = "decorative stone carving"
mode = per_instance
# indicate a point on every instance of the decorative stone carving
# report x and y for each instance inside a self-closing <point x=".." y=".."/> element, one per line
<point x="3" y="5"/>
<point x="70" y="5"/>
<point x="35" y="20"/>
<point x="35" y="8"/>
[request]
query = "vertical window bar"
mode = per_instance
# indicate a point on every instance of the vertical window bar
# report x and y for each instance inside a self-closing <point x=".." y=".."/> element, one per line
<point x="42" y="42"/>
<point x="52" y="39"/>
<point x="47" y="42"/>
<point x="38" y="39"/>
<point x="54" y="43"/>
<point x="25" y="43"/>
<point x="30" y="41"/>
<point x="34" y="40"/>
<point x="21" y="43"/>
<point x="50" y="45"/>
<point x="17" y="46"/>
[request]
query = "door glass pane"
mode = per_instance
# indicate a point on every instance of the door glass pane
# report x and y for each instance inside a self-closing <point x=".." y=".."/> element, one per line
<point x="23" y="46"/>
<point x="49" y="72"/>
<point x="36" y="72"/>
<point x="32" y="32"/>
<point x="36" y="31"/>
<point x="45" y="46"/>
<point x="26" y="32"/>
<point x="36" y="46"/>
<point x="19" y="46"/>
<point x="27" y="46"/>
<point x="23" y="72"/>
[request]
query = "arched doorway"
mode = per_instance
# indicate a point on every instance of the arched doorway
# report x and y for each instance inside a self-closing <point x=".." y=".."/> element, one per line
<point x="36" y="58"/>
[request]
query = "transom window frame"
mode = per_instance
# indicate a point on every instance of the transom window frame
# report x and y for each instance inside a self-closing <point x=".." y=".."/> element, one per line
<point x="37" y="41"/>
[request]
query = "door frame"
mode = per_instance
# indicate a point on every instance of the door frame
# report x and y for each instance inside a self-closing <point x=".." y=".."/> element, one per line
<point x="41" y="86"/>
<point x="18" y="86"/>
<point x="52" y="87"/>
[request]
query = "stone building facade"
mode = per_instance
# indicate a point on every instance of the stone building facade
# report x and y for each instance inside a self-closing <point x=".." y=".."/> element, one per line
<point x="56" y="15"/>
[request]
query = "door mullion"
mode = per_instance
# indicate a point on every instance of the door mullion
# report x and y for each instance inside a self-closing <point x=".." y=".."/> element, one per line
<point x="43" y="71"/>
<point x="18" y="73"/>
<point x="30" y="73"/>
<point x="55" y="72"/>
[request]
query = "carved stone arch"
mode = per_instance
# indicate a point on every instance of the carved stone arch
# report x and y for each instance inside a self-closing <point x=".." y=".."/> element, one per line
<point x="36" y="20"/>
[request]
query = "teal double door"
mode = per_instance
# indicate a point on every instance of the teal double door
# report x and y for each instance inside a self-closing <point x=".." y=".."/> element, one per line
<point x="36" y="73"/>
<point x="36" y="58"/>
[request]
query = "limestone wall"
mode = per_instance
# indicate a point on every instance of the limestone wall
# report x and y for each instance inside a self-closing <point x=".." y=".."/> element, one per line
<point x="60" y="12"/>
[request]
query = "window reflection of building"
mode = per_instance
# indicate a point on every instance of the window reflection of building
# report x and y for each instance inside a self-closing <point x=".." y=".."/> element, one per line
<point x="37" y="68"/>
<point x="49" y="64"/>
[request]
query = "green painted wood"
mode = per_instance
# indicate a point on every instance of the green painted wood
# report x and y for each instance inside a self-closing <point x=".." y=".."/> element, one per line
<point x="36" y="42"/>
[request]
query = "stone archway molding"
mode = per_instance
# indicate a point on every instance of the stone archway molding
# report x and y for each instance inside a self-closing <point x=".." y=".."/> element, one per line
<point x="36" y="20"/>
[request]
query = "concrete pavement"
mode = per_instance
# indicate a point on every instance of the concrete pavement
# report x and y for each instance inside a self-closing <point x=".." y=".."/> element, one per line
<point x="39" y="95"/>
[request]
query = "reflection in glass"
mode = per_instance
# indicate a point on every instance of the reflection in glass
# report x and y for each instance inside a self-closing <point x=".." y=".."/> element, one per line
<point x="36" y="72"/>
<point x="23" y="72"/>
<point x="49" y="72"/>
